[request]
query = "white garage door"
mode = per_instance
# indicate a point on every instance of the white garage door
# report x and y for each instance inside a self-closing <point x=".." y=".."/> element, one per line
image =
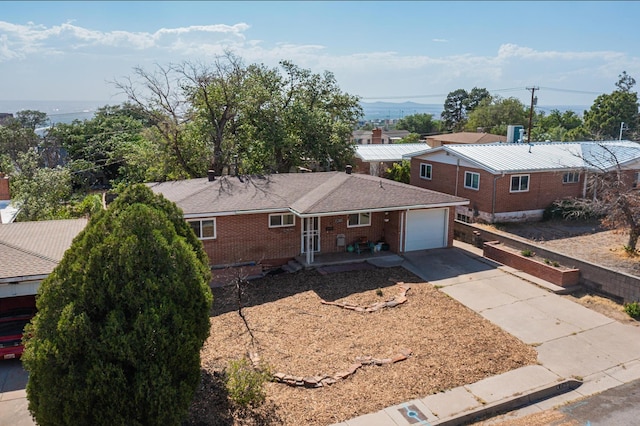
<point x="426" y="229"/>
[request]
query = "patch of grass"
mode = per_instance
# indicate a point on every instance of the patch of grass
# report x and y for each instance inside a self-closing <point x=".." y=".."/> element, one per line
<point x="526" y="253"/>
<point x="379" y="292"/>
<point x="630" y="251"/>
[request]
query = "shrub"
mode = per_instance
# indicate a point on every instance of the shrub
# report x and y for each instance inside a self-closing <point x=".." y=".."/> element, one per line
<point x="526" y="253"/>
<point x="121" y="320"/>
<point x="569" y="209"/>
<point x="245" y="384"/>
<point x="633" y="309"/>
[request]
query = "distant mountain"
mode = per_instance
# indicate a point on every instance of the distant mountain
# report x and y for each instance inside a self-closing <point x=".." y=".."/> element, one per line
<point x="397" y="110"/>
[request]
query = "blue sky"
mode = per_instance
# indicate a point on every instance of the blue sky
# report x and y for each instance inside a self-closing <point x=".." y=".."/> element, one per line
<point x="383" y="50"/>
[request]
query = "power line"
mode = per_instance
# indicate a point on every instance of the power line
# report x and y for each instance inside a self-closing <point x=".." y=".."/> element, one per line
<point x="512" y="89"/>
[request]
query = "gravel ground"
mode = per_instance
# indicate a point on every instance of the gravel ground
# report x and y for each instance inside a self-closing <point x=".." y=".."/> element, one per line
<point x="296" y="334"/>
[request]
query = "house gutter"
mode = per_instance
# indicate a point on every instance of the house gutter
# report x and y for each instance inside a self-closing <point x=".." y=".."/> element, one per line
<point x="457" y="175"/>
<point x="381" y="209"/>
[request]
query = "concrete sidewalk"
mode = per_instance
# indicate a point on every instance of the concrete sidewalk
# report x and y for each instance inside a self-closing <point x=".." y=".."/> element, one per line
<point x="580" y="351"/>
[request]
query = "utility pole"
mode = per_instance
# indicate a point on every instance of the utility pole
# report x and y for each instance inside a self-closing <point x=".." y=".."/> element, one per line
<point x="533" y="102"/>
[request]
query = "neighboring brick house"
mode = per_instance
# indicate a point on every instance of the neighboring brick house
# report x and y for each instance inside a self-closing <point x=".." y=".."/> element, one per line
<point x="377" y="136"/>
<point x="516" y="182"/>
<point x="463" y="138"/>
<point x="376" y="159"/>
<point x="273" y="219"/>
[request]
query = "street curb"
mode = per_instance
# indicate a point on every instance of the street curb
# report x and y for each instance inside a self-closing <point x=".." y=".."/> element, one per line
<point x="510" y="404"/>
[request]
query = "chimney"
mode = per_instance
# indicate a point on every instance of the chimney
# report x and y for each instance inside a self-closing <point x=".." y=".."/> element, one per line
<point x="211" y="175"/>
<point x="4" y="187"/>
<point x="348" y="169"/>
<point x="376" y="137"/>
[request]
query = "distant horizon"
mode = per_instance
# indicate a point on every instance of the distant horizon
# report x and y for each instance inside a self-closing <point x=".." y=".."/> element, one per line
<point x="70" y="50"/>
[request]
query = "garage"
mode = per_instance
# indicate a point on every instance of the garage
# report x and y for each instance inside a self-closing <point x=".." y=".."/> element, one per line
<point x="426" y="229"/>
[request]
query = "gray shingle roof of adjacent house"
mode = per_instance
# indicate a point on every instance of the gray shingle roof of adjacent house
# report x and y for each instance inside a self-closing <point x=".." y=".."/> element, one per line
<point x="35" y="248"/>
<point x="514" y="157"/>
<point x="388" y="152"/>
<point x="306" y="194"/>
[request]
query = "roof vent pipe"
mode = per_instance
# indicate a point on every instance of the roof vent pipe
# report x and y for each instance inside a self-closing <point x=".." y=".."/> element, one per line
<point x="348" y="169"/>
<point x="211" y="175"/>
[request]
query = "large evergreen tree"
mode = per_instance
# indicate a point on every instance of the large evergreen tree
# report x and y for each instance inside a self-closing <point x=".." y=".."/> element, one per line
<point x="121" y="320"/>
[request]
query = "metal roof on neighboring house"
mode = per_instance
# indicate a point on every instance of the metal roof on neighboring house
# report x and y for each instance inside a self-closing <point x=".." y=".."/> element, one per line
<point x="306" y="194"/>
<point x="388" y="152"/>
<point x="521" y="157"/>
<point x="35" y="248"/>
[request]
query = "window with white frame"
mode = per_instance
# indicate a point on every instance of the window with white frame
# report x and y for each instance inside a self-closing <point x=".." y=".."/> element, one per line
<point x="281" y="220"/>
<point x="425" y="171"/>
<point x="472" y="180"/>
<point x="205" y="229"/>
<point x="359" y="219"/>
<point x="519" y="183"/>
<point x="571" y="177"/>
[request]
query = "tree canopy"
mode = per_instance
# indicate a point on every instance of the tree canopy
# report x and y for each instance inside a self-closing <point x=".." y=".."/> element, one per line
<point x="459" y="104"/>
<point x="121" y="320"/>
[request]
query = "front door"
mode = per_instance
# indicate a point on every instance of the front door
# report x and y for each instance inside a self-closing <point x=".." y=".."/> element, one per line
<point x="311" y="230"/>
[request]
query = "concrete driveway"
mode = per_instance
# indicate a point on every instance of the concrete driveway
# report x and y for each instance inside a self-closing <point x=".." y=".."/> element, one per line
<point x="13" y="397"/>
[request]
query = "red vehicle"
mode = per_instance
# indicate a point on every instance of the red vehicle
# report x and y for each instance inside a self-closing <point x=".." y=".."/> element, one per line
<point x="15" y="313"/>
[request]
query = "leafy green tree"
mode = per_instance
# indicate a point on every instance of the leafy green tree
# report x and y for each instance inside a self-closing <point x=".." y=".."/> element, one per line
<point x="121" y="320"/>
<point x="625" y="82"/>
<point x="410" y="138"/>
<point x="454" y="114"/>
<point x="555" y="126"/>
<point x="400" y="172"/>
<point x="42" y="193"/>
<point x="16" y="139"/>
<point x="609" y="111"/>
<point x="496" y="115"/>
<point x="476" y="97"/>
<point x="459" y="104"/>
<point x="230" y="115"/>
<point x="102" y="143"/>
<point x="423" y="124"/>
<point x="32" y="119"/>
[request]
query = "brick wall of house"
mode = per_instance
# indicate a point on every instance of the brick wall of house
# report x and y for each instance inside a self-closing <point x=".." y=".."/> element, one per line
<point x="544" y="188"/>
<point x="248" y="238"/>
<point x="360" y="166"/>
<point x="4" y="188"/>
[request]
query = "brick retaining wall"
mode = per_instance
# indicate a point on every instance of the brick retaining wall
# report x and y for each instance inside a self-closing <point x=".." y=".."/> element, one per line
<point x="619" y="286"/>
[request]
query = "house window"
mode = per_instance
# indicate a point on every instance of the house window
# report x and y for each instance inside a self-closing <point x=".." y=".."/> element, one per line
<point x="520" y="183"/>
<point x="472" y="180"/>
<point x="425" y="171"/>
<point x="359" y="219"/>
<point x="463" y="218"/>
<point x="571" y="177"/>
<point x="281" y="220"/>
<point x="205" y="229"/>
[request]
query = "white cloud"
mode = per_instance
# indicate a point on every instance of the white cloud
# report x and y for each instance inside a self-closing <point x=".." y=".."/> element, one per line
<point x="440" y="40"/>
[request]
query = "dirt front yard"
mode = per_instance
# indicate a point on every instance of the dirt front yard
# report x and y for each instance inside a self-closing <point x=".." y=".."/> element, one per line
<point x="296" y="334"/>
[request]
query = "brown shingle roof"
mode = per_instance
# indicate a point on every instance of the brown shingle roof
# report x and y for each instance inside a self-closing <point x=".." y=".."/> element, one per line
<point x="467" y="137"/>
<point x="35" y="248"/>
<point x="303" y="193"/>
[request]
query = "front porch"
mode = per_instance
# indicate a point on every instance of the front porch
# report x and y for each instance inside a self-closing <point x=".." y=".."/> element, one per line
<point x="324" y="259"/>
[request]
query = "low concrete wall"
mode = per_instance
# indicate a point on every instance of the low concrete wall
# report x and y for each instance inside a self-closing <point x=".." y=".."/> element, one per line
<point x="562" y="277"/>
<point x="621" y="287"/>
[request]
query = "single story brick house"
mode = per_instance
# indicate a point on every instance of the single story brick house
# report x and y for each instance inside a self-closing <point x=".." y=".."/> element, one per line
<point x="517" y="181"/>
<point x="275" y="218"/>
